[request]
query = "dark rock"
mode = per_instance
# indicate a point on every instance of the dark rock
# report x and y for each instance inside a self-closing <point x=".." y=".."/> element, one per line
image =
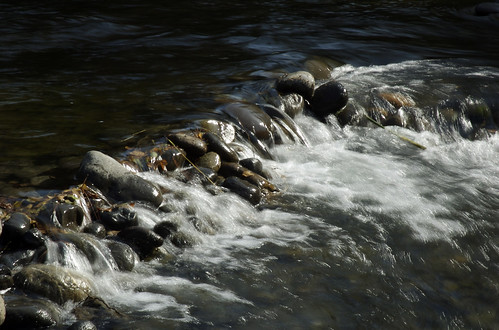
<point x="142" y="240"/>
<point x="210" y="160"/>
<point x="45" y="216"/>
<point x="293" y="104"/>
<point x="174" y="158"/>
<point x="300" y="82"/>
<point x="234" y="169"/>
<point x="287" y="124"/>
<point x="16" y="258"/>
<point x="193" y="146"/>
<point x="253" y="119"/>
<point x="82" y="325"/>
<point x="244" y="189"/>
<point x="165" y="229"/>
<point x="56" y="283"/>
<point x="205" y="176"/>
<point x="252" y="164"/>
<point x="487" y="8"/>
<point x="95" y="228"/>
<point x="329" y="98"/>
<point x="123" y="254"/>
<point x="119" y="217"/>
<point x="17" y="225"/>
<point x="217" y="145"/>
<point x="181" y="240"/>
<point x="113" y="179"/>
<point x="30" y="313"/>
<point x="6" y="280"/>
<point x="69" y="216"/>
<point x="34" y="238"/>
<point x="221" y="129"/>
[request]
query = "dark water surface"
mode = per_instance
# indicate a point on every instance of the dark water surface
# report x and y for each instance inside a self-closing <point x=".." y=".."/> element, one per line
<point x="367" y="235"/>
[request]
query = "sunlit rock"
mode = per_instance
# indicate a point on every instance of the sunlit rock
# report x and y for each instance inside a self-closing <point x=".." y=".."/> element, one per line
<point x="216" y="144"/>
<point x="210" y="160"/>
<point x="193" y="146"/>
<point x="300" y="82"/>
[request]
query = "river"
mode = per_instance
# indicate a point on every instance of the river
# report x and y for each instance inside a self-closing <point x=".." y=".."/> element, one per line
<point x="368" y="231"/>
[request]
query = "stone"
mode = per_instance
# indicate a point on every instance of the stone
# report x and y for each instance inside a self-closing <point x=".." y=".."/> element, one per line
<point x="17" y="258"/>
<point x="30" y="313"/>
<point x="141" y="239"/>
<point x="165" y="229"/>
<point x="329" y="98"/>
<point x="174" y="158"/>
<point x="82" y="325"/>
<point x="216" y="144"/>
<point x="181" y="240"/>
<point x="200" y="174"/>
<point x="244" y="189"/>
<point x="69" y="215"/>
<point x="34" y="238"/>
<point x="253" y="119"/>
<point x="293" y="104"/>
<point x="210" y="160"/>
<point x="56" y="283"/>
<point x="119" y="217"/>
<point x="109" y="176"/>
<point x="16" y="226"/>
<point x="6" y="280"/>
<point x="193" y="146"/>
<point x="95" y="228"/>
<point x="300" y="82"/>
<point x="252" y="164"/>
<point x="234" y="169"/>
<point x="123" y="254"/>
<point x="224" y="130"/>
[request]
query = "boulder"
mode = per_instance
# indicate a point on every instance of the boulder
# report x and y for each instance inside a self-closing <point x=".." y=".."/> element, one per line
<point x="141" y="239"/>
<point x="216" y="144"/>
<point x="123" y="254"/>
<point x="329" y="98"/>
<point x="56" y="283"/>
<point x="15" y="227"/>
<point x="244" y="189"/>
<point x="300" y="82"/>
<point x="69" y="215"/>
<point x="252" y="119"/>
<point x="119" y="217"/>
<point x="30" y="313"/>
<point x="114" y="180"/>
<point x="95" y="228"/>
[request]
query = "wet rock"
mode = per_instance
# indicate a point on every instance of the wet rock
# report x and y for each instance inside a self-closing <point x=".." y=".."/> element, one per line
<point x="46" y="216"/>
<point x="123" y="254"/>
<point x="234" y="169"/>
<point x="119" y="217"/>
<point x="174" y="158"/>
<point x="17" y="258"/>
<point x="252" y="164"/>
<point x="487" y="8"/>
<point x="69" y="216"/>
<point x="244" y="189"/>
<point x="95" y="228"/>
<point x="224" y="130"/>
<point x="2" y="310"/>
<point x="400" y="118"/>
<point x="15" y="227"/>
<point x="6" y="280"/>
<point x="286" y="124"/>
<point x="181" y="240"/>
<point x="193" y="146"/>
<point x="114" y="180"/>
<point x="216" y="144"/>
<point x="293" y="104"/>
<point x="96" y="310"/>
<point x="253" y="119"/>
<point x="30" y="313"/>
<point x="351" y="115"/>
<point x="210" y="160"/>
<point x="141" y="239"/>
<point x="56" y="283"/>
<point x="82" y="325"/>
<point x="321" y="67"/>
<point x="34" y="238"/>
<point x="329" y="98"/>
<point x="201" y="174"/>
<point x="165" y="229"/>
<point x="300" y="82"/>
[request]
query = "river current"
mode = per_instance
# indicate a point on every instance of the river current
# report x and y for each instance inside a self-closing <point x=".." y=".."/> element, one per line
<point x="368" y="230"/>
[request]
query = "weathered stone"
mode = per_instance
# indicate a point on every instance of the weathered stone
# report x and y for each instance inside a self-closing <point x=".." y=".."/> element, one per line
<point x="119" y="217"/>
<point x="193" y="146"/>
<point x="82" y="325"/>
<point x="56" y="283"/>
<point x="30" y="313"/>
<point x="300" y="82"/>
<point x="69" y="216"/>
<point x="293" y="104"/>
<point x="141" y="239"/>
<point x="210" y="160"/>
<point x="95" y="228"/>
<point x="244" y="189"/>
<point x="113" y="179"/>
<point x="123" y="254"/>
<point x="329" y="98"/>
<point x="165" y="229"/>
<point x="216" y="144"/>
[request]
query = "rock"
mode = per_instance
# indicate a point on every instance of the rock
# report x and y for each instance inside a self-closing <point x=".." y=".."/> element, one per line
<point x="300" y="82"/>
<point x="193" y="146"/>
<point x="56" y="283"/>
<point x="321" y="67"/>
<point x="486" y="8"/>
<point x="224" y="130"/>
<point x="244" y="189"/>
<point x="193" y="174"/>
<point x="82" y="325"/>
<point x="329" y="98"/>
<point x="45" y="216"/>
<point x="285" y="122"/>
<point x="165" y="229"/>
<point x="142" y="240"/>
<point x="15" y="227"/>
<point x="16" y="258"/>
<point x="113" y="179"/>
<point x="174" y="158"/>
<point x="181" y="240"/>
<point x="234" y="169"/>
<point x="210" y="160"/>
<point x="252" y="164"/>
<point x="6" y="280"/>
<point x="123" y="254"/>
<point x="293" y="104"/>
<point x="34" y="238"/>
<point x="253" y="119"/>
<point x="95" y="228"/>
<point x="2" y="310"/>
<point x="216" y="144"/>
<point x="119" y="217"/>
<point x="30" y="313"/>
<point x="69" y="216"/>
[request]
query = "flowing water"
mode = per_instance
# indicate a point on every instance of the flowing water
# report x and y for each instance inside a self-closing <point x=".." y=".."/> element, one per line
<point x="368" y="232"/>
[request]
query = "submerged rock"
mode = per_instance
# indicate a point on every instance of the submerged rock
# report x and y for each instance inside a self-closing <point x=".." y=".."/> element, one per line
<point x="69" y="216"/>
<point x="119" y="217"/>
<point x="113" y="179"/>
<point x="300" y="82"/>
<point x="329" y="98"/>
<point x="141" y="239"/>
<point x="56" y="283"/>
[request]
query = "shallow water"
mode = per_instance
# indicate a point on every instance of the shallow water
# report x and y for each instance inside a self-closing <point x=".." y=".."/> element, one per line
<point x="369" y="231"/>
